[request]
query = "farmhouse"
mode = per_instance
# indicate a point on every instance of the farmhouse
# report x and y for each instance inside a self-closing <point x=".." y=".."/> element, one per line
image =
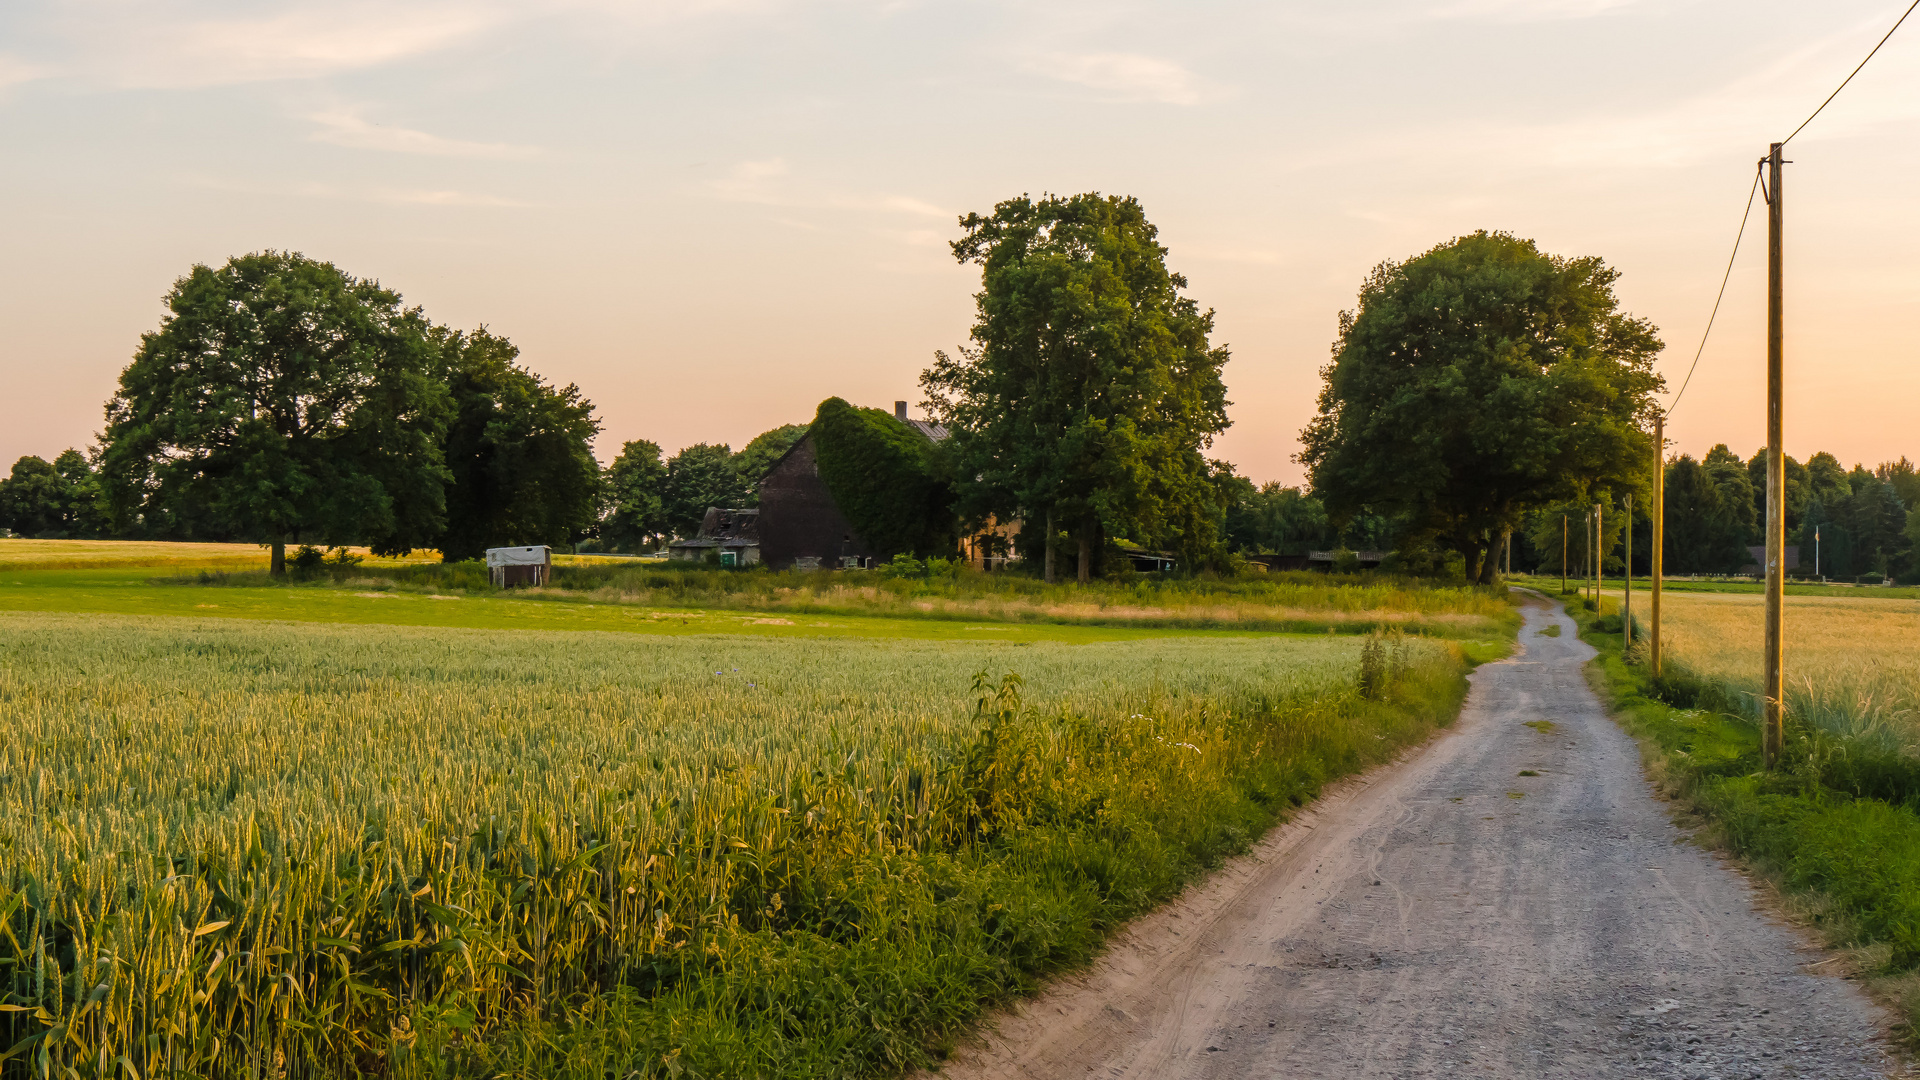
<point x="730" y="537"/>
<point x="802" y="528"/>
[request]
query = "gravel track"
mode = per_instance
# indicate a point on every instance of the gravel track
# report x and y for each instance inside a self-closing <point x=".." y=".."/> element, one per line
<point x="1448" y="916"/>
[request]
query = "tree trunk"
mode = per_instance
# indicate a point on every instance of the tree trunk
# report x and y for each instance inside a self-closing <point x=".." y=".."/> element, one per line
<point x="1491" y="563"/>
<point x="1470" y="549"/>
<point x="1048" y="540"/>
<point x="279" y="565"/>
<point x="1086" y="556"/>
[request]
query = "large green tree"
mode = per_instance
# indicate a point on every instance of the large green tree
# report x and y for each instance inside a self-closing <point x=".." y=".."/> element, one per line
<point x="635" y="490"/>
<point x="1478" y="382"/>
<point x="281" y="400"/>
<point x="700" y="476"/>
<point x="754" y="459"/>
<point x="1091" y="392"/>
<point x="520" y="452"/>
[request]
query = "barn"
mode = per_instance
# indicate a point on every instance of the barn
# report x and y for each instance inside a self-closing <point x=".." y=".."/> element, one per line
<point x="800" y="525"/>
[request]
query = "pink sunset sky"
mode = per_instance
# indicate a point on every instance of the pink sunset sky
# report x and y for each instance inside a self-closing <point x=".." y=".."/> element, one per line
<point x="711" y="215"/>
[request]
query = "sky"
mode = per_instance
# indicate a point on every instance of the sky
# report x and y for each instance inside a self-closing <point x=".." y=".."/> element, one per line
<point x="712" y="214"/>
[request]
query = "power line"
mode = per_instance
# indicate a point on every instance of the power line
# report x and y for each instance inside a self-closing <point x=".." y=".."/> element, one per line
<point x="1724" y="278"/>
<point x="1745" y="214"/>
<point x="1856" y="71"/>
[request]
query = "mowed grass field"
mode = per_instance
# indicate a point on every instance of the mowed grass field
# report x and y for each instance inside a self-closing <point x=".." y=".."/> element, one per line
<point x="301" y="842"/>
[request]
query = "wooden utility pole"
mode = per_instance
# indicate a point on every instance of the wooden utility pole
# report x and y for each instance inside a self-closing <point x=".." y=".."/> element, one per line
<point x="1626" y="610"/>
<point x="1773" y="733"/>
<point x="1599" y="570"/>
<point x="1659" y="531"/>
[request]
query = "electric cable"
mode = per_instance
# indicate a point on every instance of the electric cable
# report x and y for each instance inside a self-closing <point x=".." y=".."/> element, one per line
<point x="1856" y="71"/>
<point x="1724" y="278"/>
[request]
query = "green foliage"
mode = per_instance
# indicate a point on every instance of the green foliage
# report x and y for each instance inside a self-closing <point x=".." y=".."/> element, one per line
<point x="58" y="500"/>
<point x="1708" y="523"/>
<point x="700" y="476"/>
<point x="1478" y="382"/>
<point x="519" y="451"/>
<point x="882" y="477"/>
<point x="1092" y="392"/>
<point x="753" y="461"/>
<point x="280" y="400"/>
<point x="635" y="488"/>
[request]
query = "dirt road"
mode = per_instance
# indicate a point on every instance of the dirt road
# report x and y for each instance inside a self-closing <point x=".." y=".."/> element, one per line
<point x="1454" y="916"/>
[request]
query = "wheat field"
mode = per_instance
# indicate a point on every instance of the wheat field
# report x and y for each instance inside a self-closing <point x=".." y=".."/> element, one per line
<point x="307" y="850"/>
<point x="1852" y="665"/>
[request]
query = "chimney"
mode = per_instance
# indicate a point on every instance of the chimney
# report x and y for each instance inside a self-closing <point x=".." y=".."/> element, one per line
<point x="899" y="410"/>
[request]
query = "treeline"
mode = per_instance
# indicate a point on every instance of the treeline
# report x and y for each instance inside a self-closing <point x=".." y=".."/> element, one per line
<point x="1867" y="521"/>
<point x="284" y="401"/>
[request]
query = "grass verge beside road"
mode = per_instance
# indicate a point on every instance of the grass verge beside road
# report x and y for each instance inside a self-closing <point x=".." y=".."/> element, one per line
<point x="1834" y="824"/>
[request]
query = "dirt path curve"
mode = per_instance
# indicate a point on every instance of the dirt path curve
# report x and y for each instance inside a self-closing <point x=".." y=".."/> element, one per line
<point x="1448" y="916"/>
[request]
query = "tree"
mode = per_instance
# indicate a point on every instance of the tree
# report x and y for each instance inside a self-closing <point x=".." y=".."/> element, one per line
<point x="753" y="461"/>
<point x="1902" y="477"/>
<point x="700" y="476"/>
<point x="1799" y="488"/>
<point x="280" y="400"/>
<point x="1091" y="392"/>
<point x="32" y="497"/>
<point x="1283" y="520"/>
<point x="519" y="451"/>
<point x="1739" y="520"/>
<point x="635" y="489"/>
<point x="882" y="477"/>
<point x="1826" y="480"/>
<point x="1702" y="534"/>
<point x="84" y="511"/>
<point x="1480" y="381"/>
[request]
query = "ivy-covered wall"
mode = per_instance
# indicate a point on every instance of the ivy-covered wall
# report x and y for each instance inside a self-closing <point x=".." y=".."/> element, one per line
<point x="882" y="474"/>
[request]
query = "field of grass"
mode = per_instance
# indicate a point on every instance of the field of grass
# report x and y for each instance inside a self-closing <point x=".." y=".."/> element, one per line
<point x="1551" y="585"/>
<point x="306" y="844"/>
<point x="1852" y="665"/>
<point x="588" y="593"/>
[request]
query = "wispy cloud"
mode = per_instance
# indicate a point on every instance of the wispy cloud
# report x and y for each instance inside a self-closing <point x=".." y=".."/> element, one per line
<point x="346" y="127"/>
<point x="1127" y="77"/>
<point x="751" y="181"/>
<point x="908" y="205"/>
<point x="309" y="41"/>
<point x="14" y="71"/>
<point x="1528" y="10"/>
<point x="442" y="198"/>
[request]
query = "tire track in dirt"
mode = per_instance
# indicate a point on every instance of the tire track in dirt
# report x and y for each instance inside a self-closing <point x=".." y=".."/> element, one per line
<point x="1447" y="916"/>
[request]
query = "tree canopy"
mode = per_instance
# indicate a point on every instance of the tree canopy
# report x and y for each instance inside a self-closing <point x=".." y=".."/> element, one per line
<point x="280" y="400"/>
<point x="882" y="476"/>
<point x="700" y="476"/>
<point x="635" y="490"/>
<point x="1091" y="392"/>
<point x="754" y="459"/>
<point x="1480" y="381"/>
<point x="518" y="451"/>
